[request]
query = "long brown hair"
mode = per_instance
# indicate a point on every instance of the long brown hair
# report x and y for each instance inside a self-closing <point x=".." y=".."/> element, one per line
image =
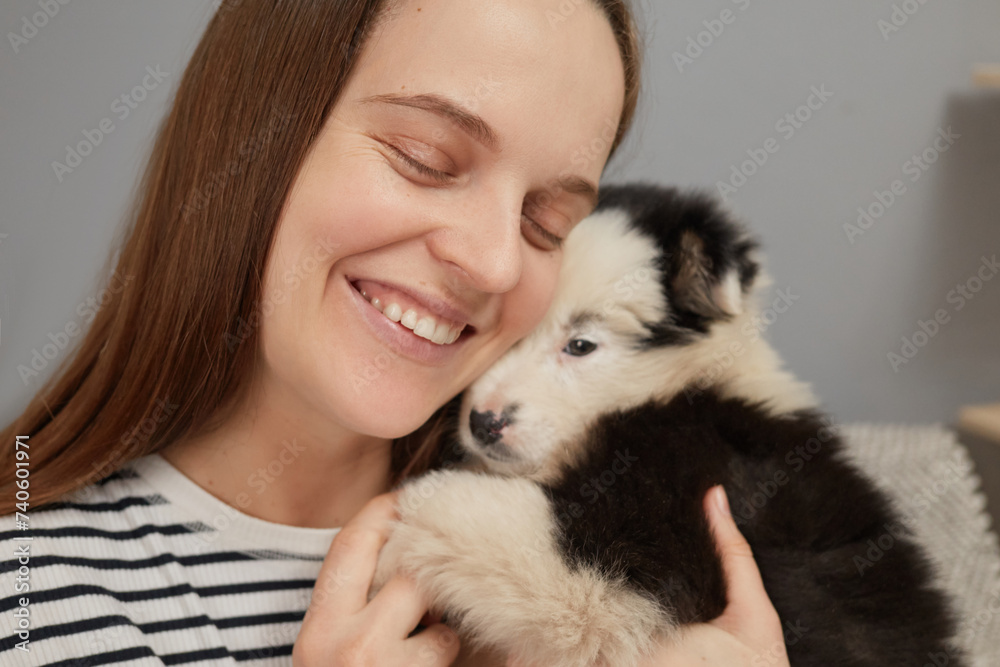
<point x="170" y="352"/>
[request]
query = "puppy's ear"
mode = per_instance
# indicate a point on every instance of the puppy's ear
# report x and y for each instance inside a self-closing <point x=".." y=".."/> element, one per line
<point x="702" y="287"/>
<point x="707" y="257"/>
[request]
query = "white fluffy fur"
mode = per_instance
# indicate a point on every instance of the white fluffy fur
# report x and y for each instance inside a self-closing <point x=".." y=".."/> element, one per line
<point x="483" y="548"/>
<point x="559" y="395"/>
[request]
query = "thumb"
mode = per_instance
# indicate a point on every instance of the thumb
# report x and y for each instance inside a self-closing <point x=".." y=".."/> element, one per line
<point x="749" y="613"/>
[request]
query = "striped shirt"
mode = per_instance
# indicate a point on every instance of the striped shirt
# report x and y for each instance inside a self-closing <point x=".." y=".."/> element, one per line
<point x="147" y="568"/>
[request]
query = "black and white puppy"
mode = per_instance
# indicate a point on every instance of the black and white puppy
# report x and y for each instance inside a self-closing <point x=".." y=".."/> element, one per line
<point x="585" y="541"/>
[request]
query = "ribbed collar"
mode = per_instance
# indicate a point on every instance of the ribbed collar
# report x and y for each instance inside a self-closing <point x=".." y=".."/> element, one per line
<point x="235" y="529"/>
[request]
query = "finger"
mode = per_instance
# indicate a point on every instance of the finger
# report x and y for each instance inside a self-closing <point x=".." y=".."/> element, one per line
<point x="749" y="611"/>
<point x="398" y="605"/>
<point x="436" y="646"/>
<point x="342" y="585"/>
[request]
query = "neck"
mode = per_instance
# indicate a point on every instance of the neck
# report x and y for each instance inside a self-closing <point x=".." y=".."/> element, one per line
<point x="285" y="469"/>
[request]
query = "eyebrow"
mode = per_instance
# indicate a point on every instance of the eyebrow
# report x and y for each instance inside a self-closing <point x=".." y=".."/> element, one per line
<point x="582" y="317"/>
<point x="477" y="128"/>
<point x="472" y="124"/>
<point x="579" y="186"/>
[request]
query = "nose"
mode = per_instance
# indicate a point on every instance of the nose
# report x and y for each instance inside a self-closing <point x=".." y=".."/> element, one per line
<point x="486" y="427"/>
<point x="482" y="241"/>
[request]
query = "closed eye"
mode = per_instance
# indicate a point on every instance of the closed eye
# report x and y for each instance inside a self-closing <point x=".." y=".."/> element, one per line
<point x="553" y="240"/>
<point x="550" y="239"/>
<point x="439" y="176"/>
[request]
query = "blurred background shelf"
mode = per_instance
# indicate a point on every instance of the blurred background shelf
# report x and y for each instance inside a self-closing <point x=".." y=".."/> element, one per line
<point x="979" y="430"/>
<point x="986" y="76"/>
<point x="982" y="421"/>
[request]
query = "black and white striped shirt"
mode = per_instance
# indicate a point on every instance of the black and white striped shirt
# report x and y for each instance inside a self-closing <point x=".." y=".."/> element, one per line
<point x="147" y="568"/>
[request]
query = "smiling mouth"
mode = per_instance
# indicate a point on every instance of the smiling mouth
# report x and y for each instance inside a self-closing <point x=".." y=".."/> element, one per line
<point x="422" y="323"/>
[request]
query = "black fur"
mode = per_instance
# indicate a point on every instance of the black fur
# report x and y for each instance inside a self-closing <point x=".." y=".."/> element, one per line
<point x="810" y="518"/>
<point x="668" y="216"/>
<point x="848" y="582"/>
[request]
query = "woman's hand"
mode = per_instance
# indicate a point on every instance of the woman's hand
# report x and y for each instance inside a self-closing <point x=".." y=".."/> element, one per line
<point x="748" y="634"/>
<point x="342" y="628"/>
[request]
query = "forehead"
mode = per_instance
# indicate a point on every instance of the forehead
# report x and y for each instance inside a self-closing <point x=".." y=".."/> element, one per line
<point x="541" y="85"/>
<point x="609" y="269"/>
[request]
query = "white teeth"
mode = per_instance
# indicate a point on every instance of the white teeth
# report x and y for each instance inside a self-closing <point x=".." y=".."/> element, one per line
<point x="409" y="319"/>
<point x="425" y="327"/>
<point x="393" y="312"/>
<point x="441" y="334"/>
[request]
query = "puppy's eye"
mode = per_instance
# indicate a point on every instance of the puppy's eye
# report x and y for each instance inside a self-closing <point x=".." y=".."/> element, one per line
<point x="578" y="347"/>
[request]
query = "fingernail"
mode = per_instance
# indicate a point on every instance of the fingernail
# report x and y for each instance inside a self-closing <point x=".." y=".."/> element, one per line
<point x="721" y="501"/>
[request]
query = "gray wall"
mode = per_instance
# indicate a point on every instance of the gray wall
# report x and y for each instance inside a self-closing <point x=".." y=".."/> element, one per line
<point x="891" y="93"/>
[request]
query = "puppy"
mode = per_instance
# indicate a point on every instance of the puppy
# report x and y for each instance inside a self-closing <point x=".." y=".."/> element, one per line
<point x="579" y="538"/>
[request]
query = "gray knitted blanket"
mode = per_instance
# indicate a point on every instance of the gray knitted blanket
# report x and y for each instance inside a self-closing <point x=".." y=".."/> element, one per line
<point x="931" y="479"/>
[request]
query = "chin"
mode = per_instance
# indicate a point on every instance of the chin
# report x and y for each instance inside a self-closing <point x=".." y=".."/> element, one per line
<point x="386" y="414"/>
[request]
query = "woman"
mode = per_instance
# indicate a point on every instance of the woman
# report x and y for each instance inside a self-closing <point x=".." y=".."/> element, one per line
<point x="352" y="209"/>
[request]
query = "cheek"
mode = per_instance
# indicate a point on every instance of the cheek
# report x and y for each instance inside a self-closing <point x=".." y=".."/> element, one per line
<point x="352" y="201"/>
<point x="526" y="304"/>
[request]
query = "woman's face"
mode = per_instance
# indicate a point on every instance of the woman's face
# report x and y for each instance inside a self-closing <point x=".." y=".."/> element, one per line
<point x="459" y="153"/>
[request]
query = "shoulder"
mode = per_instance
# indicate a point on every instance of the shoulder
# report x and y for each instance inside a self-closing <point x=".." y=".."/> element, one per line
<point x="112" y="508"/>
<point x="117" y="570"/>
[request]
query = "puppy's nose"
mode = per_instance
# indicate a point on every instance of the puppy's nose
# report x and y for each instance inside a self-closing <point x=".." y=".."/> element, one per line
<point x="486" y="427"/>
